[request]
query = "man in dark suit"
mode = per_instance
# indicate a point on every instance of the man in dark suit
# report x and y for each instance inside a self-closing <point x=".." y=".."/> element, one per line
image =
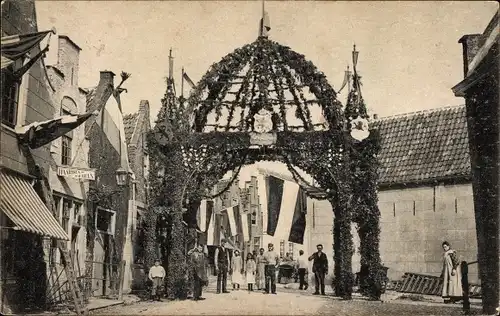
<point x="222" y="265"/>
<point x="320" y="268"/>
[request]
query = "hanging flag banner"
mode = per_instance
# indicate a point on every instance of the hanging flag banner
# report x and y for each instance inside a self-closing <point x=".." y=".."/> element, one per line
<point x="76" y="173"/>
<point x="244" y="227"/>
<point x="262" y="199"/>
<point x="202" y="223"/>
<point x="299" y="219"/>
<point x="38" y="134"/>
<point x="288" y="201"/>
<point x="210" y="224"/>
<point x="274" y="195"/>
<point x="15" y="47"/>
<point x="232" y="220"/>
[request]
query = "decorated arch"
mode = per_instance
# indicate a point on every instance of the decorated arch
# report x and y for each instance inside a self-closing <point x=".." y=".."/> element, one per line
<point x="262" y="102"/>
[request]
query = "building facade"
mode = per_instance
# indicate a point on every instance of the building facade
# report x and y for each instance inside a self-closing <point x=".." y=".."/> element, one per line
<point x="137" y="127"/>
<point x="111" y="193"/>
<point x="27" y="224"/>
<point x="69" y="151"/>
<point x="480" y="90"/>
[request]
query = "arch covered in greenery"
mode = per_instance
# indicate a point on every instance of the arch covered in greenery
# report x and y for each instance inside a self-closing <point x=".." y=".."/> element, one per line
<point x="261" y="100"/>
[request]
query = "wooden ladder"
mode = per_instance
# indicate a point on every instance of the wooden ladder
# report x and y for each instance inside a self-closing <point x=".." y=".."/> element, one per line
<point x="70" y="275"/>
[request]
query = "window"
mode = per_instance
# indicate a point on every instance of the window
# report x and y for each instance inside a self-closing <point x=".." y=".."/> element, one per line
<point x="282" y="248"/>
<point x="256" y="243"/>
<point x="10" y="98"/>
<point x="66" y="213"/>
<point x="290" y="249"/>
<point x="77" y="218"/>
<point x="104" y="221"/>
<point x="66" y="150"/>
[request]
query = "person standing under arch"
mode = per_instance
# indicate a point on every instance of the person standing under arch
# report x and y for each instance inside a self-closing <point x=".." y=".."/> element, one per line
<point x="320" y="268"/>
<point x="222" y="265"/>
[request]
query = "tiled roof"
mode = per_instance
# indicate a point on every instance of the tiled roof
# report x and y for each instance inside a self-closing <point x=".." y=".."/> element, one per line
<point x="129" y="122"/>
<point x="424" y="146"/>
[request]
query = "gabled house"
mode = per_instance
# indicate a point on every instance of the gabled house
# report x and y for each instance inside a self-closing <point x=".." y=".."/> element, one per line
<point x="480" y="90"/>
<point x="137" y="127"/>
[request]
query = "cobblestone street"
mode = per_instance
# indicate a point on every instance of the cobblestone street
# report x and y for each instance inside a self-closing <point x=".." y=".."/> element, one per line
<point x="286" y="302"/>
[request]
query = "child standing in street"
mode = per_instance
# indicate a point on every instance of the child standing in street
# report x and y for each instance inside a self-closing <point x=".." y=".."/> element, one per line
<point x="251" y="268"/>
<point x="156" y="275"/>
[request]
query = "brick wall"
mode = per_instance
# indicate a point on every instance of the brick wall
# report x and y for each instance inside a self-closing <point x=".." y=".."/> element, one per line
<point x="411" y="240"/>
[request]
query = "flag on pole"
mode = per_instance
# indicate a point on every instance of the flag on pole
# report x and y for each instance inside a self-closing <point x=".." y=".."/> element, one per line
<point x="38" y="134"/>
<point x="274" y="195"/>
<point x="288" y="201"/>
<point x="188" y="80"/>
<point x="265" y="23"/>
<point x="15" y="47"/>
<point x="298" y="227"/>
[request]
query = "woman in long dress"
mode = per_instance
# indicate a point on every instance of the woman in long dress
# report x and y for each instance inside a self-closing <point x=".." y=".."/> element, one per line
<point x="237" y="270"/>
<point x="451" y="275"/>
<point x="261" y="270"/>
<point x="251" y="268"/>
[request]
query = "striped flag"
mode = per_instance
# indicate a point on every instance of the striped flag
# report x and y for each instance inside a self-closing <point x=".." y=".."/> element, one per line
<point x="232" y="219"/>
<point x="188" y="80"/>
<point x="110" y="119"/>
<point x="262" y="191"/>
<point x="245" y="228"/>
<point x="274" y="188"/>
<point x="38" y="134"/>
<point x="15" y="47"/>
<point x="288" y="199"/>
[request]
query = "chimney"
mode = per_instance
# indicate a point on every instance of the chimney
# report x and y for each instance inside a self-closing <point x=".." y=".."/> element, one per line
<point x="107" y="77"/>
<point x="68" y="59"/>
<point x="470" y="44"/>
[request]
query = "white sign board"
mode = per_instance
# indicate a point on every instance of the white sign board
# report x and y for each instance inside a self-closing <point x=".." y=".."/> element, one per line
<point x="265" y="139"/>
<point x="76" y="173"/>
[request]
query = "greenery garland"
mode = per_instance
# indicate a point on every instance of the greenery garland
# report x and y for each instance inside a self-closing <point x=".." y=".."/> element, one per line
<point x="187" y="162"/>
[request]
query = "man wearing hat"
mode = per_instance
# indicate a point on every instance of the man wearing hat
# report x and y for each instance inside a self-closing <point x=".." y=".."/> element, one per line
<point x="156" y="275"/>
<point x="222" y="265"/>
<point x="271" y="258"/>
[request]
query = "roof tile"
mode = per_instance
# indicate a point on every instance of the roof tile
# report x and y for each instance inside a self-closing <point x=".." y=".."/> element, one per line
<point x="423" y="146"/>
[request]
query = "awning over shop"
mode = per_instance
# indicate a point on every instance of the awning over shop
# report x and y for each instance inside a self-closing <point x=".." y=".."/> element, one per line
<point x="19" y="201"/>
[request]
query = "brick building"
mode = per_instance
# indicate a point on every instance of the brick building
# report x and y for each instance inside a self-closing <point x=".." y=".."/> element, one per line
<point x="111" y="193"/>
<point x="27" y="224"/>
<point x="425" y="194"/>
<point x="137" y="127"/>
<point x="69" y="151"/>
<point x="480" y="90"/>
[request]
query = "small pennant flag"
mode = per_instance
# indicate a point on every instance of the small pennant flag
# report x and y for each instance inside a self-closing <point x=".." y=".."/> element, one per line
<point x="274" y="195"/>
<point x="265" y="24"/>
<point x="188" y="80"/>
<point x="38" y="134"/>
<point x="17" y="46"/>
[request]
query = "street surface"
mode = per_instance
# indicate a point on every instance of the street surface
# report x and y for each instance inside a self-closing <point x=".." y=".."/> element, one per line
<point x="286" y="302"/>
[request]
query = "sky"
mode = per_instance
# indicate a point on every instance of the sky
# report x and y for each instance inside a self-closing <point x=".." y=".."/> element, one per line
<point x="409" y="55"/>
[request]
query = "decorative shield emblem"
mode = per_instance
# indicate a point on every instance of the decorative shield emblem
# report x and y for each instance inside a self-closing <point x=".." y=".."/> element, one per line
<point x="263" y="122"/>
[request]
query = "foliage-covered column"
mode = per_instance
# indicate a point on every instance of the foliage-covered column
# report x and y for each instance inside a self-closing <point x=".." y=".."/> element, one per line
<point x="343" y="245"/>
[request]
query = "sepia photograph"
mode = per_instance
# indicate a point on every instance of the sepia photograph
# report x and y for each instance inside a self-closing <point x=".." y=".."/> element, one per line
<point x="259" y="157"/>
